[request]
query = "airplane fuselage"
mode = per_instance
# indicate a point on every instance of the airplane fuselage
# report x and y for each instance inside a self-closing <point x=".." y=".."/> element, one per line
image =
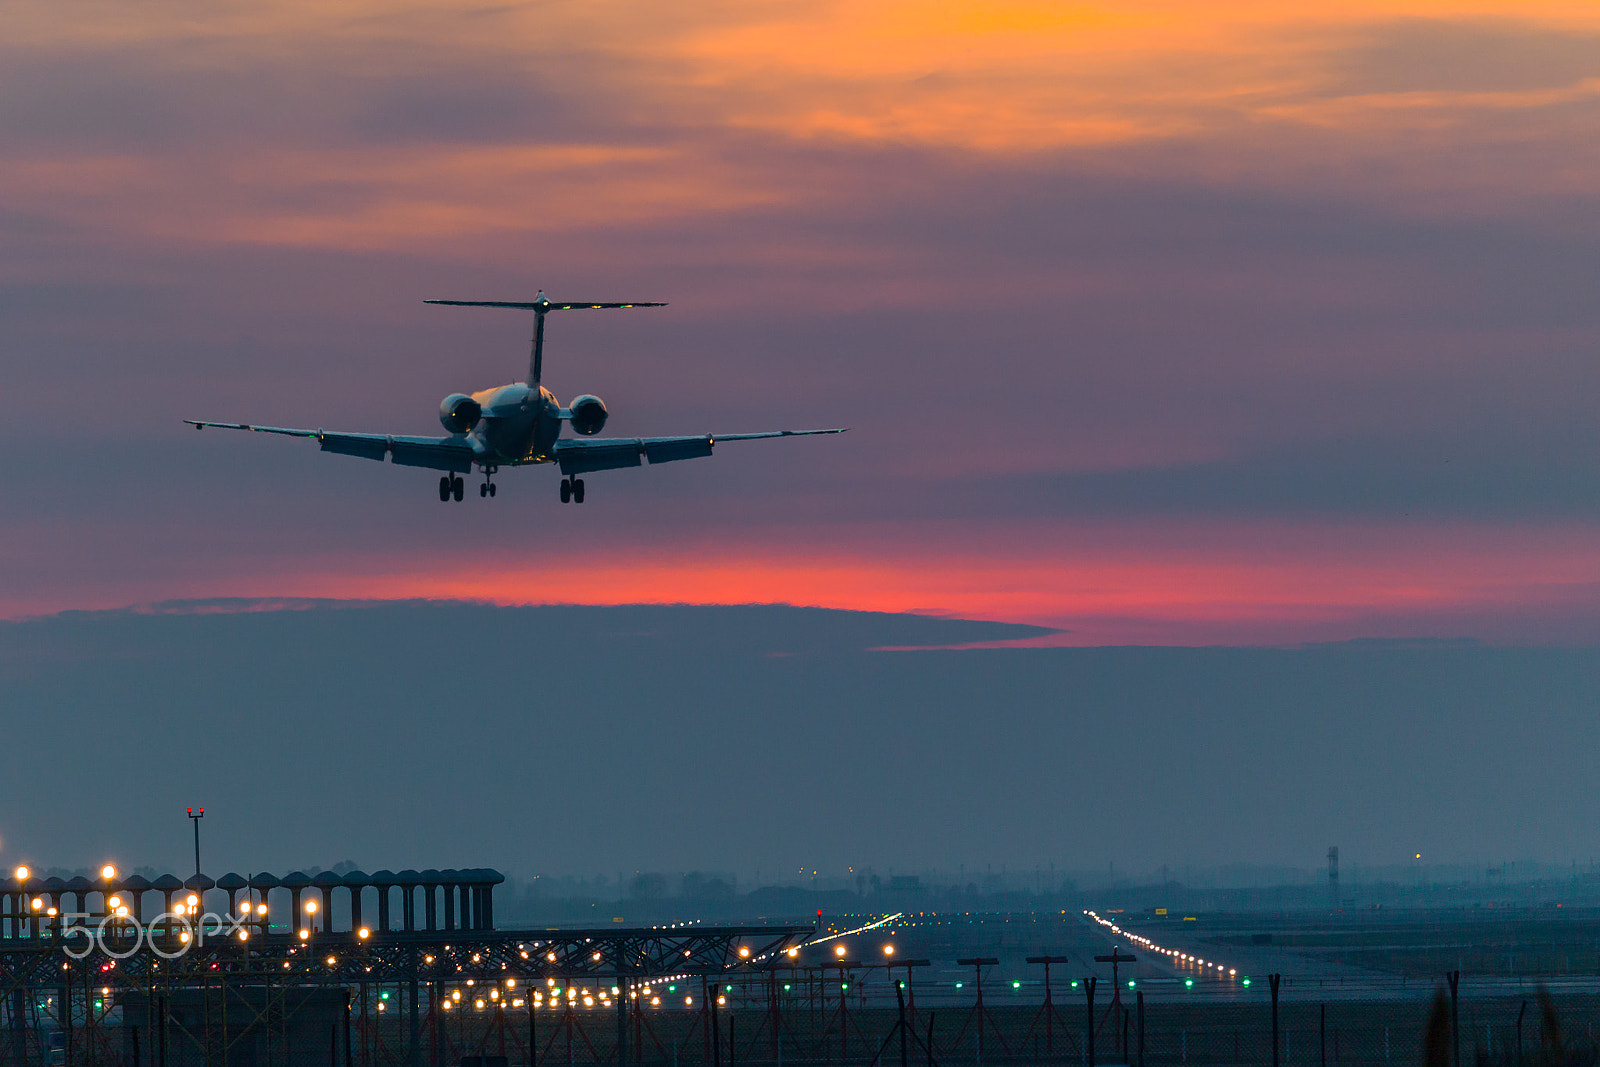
<point x="520" y="424"/>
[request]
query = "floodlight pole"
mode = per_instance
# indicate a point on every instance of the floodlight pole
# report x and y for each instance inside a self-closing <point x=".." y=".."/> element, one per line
<point x="195" y="818"/>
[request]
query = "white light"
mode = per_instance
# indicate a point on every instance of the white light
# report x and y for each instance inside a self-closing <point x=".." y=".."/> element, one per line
<point x="108" y="872"/>
<point x="22" y="873"/>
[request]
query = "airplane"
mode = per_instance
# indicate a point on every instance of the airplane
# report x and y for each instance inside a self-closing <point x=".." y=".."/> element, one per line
<point x="518" y="424"/>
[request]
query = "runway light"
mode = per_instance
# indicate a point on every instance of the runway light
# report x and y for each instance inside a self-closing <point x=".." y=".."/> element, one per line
<point x="331" y="961"/>
<point x="363" y="933"/>
<point x="244" y="935"/>
<point x="304" y="934"/>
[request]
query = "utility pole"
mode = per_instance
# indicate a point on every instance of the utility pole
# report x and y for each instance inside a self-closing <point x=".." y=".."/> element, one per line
<point x="195" y="817"/>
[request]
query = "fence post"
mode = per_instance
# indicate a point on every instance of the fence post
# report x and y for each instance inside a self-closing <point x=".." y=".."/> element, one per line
<point x="1272" y="979"/>
<point x="1139" y="1000"/>
<point x="1455" y="1019"/>
<point x="1088" y="1042"/>
<point x="1323" y="1026"/>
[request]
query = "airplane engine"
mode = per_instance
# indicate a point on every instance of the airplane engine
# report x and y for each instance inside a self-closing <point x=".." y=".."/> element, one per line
<point x="588" y="415"/>
<point x="459" y="413"/>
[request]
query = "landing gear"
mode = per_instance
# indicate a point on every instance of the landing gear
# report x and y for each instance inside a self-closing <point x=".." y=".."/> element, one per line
<point x="566" y="490"/>
<point x="444" y="487"/>
<point x="487" y="488"/>
<point x="577" y="490"/>
<point x="572" y="490"/>
<point x="452" y="485"/>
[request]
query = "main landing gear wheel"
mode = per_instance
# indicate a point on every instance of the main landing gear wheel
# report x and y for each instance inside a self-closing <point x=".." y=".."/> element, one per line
<point x="577" y="490"/>
<point x="566" y="490"/>
<point x="483" y="490"/>
<point x="491" y="489"/>
<point x="458" y="487"/>
<point x="444" y="487"/>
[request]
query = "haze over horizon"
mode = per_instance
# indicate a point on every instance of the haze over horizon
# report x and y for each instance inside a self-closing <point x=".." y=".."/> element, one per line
<point x="679" y="738"/>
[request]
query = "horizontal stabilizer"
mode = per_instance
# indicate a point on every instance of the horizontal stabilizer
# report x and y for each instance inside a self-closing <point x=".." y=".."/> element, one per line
<point x="545" y="305"/>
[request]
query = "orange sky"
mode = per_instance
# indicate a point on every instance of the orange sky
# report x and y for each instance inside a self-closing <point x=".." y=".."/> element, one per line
<point x="1264" y="230"/>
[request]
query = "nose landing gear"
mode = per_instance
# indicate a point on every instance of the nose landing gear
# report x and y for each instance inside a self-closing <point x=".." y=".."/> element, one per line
<point x="572" y="490"/>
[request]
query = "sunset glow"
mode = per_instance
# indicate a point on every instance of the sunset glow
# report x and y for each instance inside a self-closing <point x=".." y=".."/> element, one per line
<point x="1153" y="321"/>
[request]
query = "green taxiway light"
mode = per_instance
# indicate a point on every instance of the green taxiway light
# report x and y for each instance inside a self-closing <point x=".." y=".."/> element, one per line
<point x="1247" y="981"/>
<point x="786" y="987"/>
<point x="1016" y="985"/>
<point x="1130" y="983"/>
<point x="1188" y="981"/>
<point x="844" y="985"/>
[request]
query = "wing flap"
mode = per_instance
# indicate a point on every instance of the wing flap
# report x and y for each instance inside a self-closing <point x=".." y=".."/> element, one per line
<point x="667" y="449"/>
<point x="582" y="456"/>
<point x="365" y="445"/>
<point x="436" y="453"/>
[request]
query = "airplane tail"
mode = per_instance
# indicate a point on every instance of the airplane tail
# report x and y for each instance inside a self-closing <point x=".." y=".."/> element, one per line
<point x="540" y="306"/>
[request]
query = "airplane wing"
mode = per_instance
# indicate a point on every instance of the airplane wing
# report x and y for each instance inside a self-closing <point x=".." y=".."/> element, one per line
<point x="439" y="453"/>
<point x="581" y="455"/>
